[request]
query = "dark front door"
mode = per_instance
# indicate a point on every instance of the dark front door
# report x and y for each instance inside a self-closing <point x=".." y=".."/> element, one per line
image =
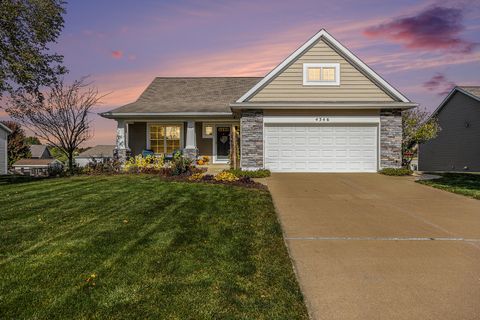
<point x="223" y="143"/>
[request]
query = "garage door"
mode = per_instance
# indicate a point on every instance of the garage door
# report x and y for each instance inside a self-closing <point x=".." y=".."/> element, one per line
<point x="320" y="148"/>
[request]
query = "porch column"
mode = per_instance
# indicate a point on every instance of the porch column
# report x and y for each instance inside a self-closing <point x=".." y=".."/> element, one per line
<point x="121" y="145"/>
<point x="190" y="150"/>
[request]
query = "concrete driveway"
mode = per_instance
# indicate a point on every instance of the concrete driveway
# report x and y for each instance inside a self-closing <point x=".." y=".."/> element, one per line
<point x="367" y="246"/>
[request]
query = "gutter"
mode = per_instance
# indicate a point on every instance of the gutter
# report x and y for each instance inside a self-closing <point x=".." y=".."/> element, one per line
<point x="115" y="115"/>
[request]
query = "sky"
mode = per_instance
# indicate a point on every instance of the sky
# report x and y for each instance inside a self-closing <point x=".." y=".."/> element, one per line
<point x="423" y="48"/>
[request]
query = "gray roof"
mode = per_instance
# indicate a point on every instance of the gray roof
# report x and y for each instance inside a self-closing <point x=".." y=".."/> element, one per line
<point x="202" y="94"/>
<point x="473" y="90"/>
<point x="38" y="150"/>
<point x="98" y="152"/>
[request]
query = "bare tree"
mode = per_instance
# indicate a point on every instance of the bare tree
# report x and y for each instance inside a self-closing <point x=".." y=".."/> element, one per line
<point x="61" y="118"/>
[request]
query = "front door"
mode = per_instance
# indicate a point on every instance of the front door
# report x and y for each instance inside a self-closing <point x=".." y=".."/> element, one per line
<point x="223" y="143"/>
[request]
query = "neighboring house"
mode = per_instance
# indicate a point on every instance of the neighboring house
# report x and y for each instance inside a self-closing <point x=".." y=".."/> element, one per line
<point x="100" y="153"/>
<point x="457" y="146"/>
<point x="321" y="110"/>
<point x="41" y="162"/>
<point x="37" y="167"/>
<point x="39" y="151"/>
<point x="4" y="132"/>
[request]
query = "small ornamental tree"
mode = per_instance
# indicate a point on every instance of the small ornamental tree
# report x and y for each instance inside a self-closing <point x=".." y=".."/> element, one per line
<point x="17" y="148"/>
<point x="60" y="118"/>
<point x="418" y="128"/>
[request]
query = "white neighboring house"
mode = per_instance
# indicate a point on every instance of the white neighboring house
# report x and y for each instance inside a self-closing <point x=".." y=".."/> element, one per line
<point x="41" y="162"/>
<point x="4" y="132"/>
<point x="100" y="153"/>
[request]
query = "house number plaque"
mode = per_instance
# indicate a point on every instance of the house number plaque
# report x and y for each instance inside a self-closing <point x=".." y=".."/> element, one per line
<point x="322" y="119"/>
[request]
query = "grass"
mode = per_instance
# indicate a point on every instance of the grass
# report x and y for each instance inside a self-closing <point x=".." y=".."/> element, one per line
<point x="462" y="183"/>
<point x="150" y="249"/>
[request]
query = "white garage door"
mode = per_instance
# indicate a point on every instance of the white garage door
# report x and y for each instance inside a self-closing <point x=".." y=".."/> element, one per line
<point x="320" y="148"/>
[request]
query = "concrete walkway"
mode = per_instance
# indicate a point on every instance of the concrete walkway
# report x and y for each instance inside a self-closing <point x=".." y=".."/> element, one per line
<point x="367" y="246"/>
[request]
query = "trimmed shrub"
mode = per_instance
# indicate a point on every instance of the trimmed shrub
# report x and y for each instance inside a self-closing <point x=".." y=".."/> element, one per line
<point x="396" y="171"/>
<point x="261" y="173"/>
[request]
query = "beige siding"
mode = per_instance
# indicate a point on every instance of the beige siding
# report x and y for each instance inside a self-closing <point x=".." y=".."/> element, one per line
<point x="288" y="85"/>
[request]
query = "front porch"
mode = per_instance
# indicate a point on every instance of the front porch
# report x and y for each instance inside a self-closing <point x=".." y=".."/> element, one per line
<point x="217" y="139"/>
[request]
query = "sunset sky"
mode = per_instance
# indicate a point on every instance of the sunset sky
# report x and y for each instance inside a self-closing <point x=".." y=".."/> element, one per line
<point x="423" y="48"/>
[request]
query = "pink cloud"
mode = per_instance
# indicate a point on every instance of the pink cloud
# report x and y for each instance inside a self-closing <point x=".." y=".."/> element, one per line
<point x="436" y="28"/>
<point x="117" y="54"/>
<point x="440" y="84"/>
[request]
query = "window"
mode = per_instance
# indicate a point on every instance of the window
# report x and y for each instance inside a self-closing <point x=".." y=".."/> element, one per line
<point x="321" y="74"/>
<point x="207" y="130"/>
<point x="164" y="138"/>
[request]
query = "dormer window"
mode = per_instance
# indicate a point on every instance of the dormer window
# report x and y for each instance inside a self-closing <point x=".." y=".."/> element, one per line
<point x="321" y="74"/>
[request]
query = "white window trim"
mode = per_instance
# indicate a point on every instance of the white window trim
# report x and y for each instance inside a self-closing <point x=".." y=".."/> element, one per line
<point x="182" y="129"/>
<point x="204" y="124"/>
<point x="306" y="82"/>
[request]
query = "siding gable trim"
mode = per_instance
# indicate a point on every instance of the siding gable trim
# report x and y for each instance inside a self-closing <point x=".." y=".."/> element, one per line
<point x="336" y="46"/>
<point x="4" y="127"/>
<point x="449" y="96"/>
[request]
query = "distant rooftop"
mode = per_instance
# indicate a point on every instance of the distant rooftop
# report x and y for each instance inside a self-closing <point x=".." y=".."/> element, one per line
<point x="34" y="162"/>
<point x="98" y="151"/>
<point x="38" y="151"/>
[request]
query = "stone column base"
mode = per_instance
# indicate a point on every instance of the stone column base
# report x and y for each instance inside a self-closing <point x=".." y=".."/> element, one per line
<point x="190" y="153"/>
<point x="121" y="154"/>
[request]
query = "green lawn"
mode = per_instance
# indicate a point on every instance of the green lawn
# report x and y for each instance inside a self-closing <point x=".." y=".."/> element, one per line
<point x="461" y="183"/>
<point x="157" y="250"/>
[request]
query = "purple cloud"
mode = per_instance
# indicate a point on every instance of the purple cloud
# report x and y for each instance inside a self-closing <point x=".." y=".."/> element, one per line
<point x="434" y="28"/>
<point x="440" y="84"/>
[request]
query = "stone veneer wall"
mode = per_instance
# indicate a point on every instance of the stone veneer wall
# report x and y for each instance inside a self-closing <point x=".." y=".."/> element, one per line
<point x="251" y="137"/>
<point x="390" y="138"/>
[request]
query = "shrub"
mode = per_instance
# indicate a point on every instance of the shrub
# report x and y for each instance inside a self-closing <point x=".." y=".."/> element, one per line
<point x="180" y="165"/>
<point x="101" y="167"/>
<point x="246" y="180"/>
<point x="261" y="173"/>
<point x="140" y="164"/>
<point x="396" y="171"/>
<point x="226" y="176"/>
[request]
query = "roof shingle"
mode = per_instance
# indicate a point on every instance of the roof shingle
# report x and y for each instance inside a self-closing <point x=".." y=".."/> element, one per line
<point x="201" y="94"/>
<point x="473" y="90"/>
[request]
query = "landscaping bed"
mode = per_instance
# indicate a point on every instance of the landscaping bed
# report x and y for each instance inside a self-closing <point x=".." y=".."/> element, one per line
<point x="466" y="184"/>
<point x="139" y="247"/>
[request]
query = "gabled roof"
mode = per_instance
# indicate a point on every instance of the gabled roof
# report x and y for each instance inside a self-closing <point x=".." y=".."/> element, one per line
<point x="4" y="127"/>
<point x="38" y="150"/>
<point x="187" y="95"/>
<point x="99" y="151"/>
<point x="470" y="91"/>
<point x="341" y="49"/>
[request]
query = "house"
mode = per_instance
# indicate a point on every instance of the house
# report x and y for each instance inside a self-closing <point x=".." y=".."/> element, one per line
<point x="320" y="110"/>
<point x="41" y="162"/>
<point x="457" y="147"/>
<point x="4" y="132"/>
<point x="39" y="151"/>
<point x="99" y="153"/>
